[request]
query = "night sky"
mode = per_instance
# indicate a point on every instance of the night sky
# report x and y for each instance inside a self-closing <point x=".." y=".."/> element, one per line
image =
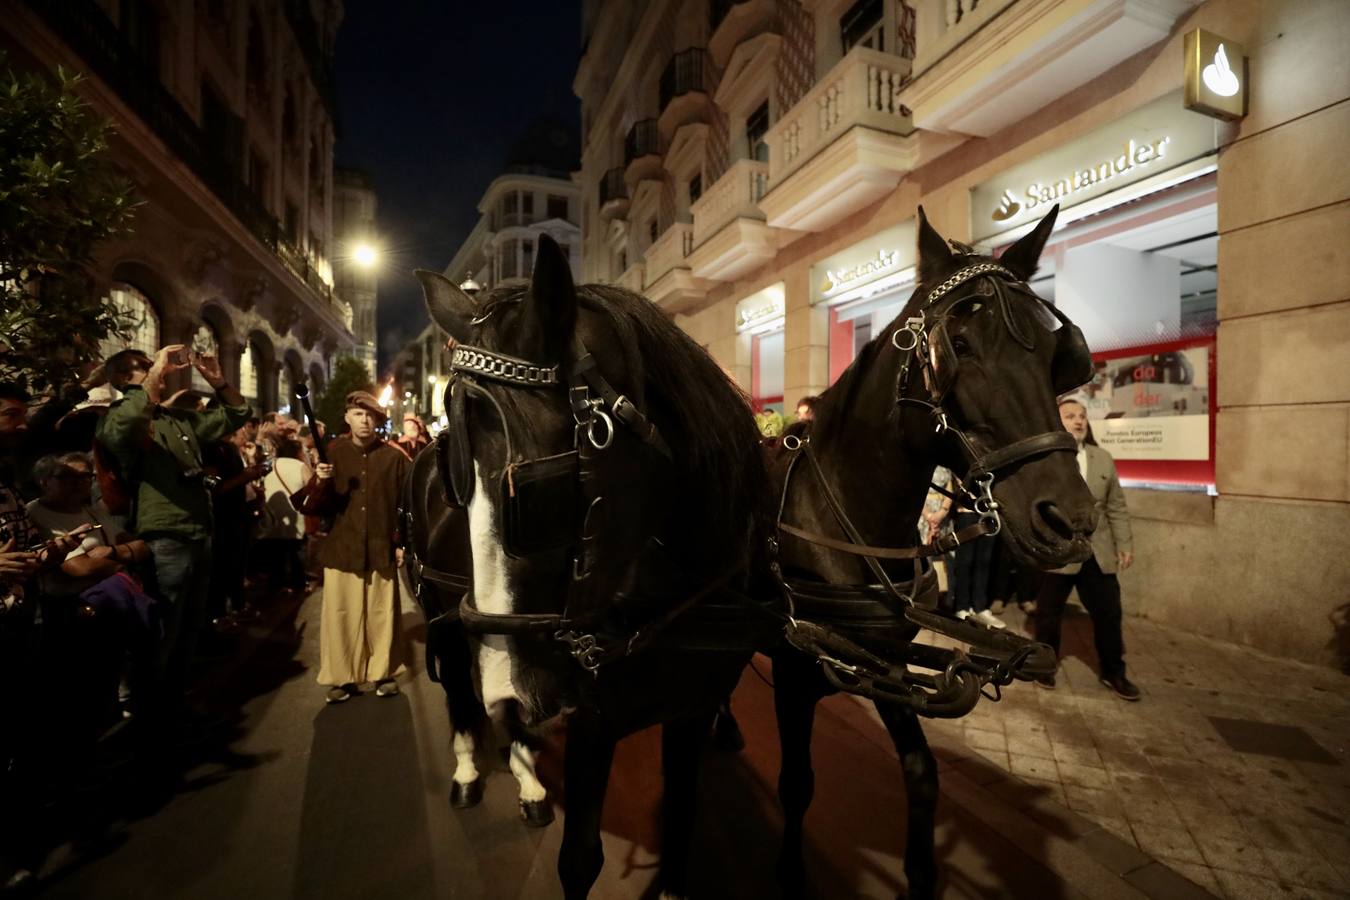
<point x="432" y="96"/>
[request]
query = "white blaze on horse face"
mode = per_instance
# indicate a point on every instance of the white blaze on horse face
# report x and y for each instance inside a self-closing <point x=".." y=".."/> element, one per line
<point x="522" y="766"/>
<point x="466" y="771"/>
<point x="490" y="595"/>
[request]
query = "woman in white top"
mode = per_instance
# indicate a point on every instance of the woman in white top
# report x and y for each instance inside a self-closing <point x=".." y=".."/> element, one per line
<point x="281" y="529"/>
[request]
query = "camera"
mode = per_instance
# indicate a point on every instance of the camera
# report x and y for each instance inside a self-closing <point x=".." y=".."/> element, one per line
<point x="266" y="465"/>
<point x="202" y="477"/>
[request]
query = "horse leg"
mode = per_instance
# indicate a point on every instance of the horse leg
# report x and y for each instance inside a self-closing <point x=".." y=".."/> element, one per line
<point x="586" y="765"/>
<point x="921" y="796"/>
<point x="797" y="690"/>
<point x="467" y="715"/>
<point x="535" y="810"/>
<point x="682" y="743"/>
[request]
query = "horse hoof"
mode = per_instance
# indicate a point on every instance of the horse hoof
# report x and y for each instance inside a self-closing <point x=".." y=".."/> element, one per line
<point x="463" y="796"/>
<point x="536" y="813"/>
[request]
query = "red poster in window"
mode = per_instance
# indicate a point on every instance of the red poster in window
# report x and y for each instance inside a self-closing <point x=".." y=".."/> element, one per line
<point x="1152" y="408"/>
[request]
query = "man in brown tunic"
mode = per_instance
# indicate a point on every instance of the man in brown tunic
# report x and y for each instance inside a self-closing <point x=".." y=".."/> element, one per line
<point x="359" y="639"/>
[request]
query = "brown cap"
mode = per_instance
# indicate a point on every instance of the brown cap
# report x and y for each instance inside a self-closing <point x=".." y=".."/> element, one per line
<point x="366" y="400"/>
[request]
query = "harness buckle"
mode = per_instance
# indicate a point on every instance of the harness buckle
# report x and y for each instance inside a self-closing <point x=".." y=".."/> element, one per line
<point x="985" y="505"/>
<point x="792" y="442"/>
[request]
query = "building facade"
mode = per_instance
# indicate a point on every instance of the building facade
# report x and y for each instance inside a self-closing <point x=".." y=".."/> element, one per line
<point x="755" y="169"/>
<point x="356" y="279"/>
<point x="223" y="119"/>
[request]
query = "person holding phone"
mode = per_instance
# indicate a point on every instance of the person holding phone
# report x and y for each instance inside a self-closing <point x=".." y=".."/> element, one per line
<point x="159" y="451"/>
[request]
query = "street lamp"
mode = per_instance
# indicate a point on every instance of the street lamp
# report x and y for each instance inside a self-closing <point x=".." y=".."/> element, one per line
<point x="365" y="256"/>
<point x="469" y="286"/>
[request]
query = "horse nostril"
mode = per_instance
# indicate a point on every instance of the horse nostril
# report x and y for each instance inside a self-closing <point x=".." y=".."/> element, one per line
<point x="1051" y="516"/>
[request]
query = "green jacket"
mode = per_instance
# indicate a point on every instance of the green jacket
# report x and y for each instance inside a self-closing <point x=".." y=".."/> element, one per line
<point x="160" y="453"/>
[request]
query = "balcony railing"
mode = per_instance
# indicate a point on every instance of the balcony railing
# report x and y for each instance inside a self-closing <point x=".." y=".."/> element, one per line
<point x="108" y="54"/>
<point x="863" y="89"/>
<point x="644" y="139"/>
<point x="735" y="195"/>
<point x="612" y="187"/>
<point x="689" y="71"/>
<point x="669" y="251"/>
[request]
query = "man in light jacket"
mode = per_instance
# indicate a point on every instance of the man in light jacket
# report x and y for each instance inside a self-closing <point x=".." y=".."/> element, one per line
<point x="1095" y="579"/>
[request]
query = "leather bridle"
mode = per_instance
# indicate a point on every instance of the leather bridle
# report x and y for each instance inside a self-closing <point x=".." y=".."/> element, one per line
<point x="916" y="339"/>
<point x="596" y="408"/>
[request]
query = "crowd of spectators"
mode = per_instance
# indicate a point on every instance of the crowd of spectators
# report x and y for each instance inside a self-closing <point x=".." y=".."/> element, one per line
<point x="140" y="532"/>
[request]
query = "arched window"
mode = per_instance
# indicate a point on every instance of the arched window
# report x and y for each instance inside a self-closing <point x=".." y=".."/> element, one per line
<point x="248" y="374"/>
<point x="204" y="342"/>
<point x="286" y="396"/>
<point x="137" y="319"/>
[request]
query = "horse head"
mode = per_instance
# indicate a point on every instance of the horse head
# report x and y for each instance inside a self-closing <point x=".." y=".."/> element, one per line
<point x="985" y="359"/>
<point x="587" y="438"/>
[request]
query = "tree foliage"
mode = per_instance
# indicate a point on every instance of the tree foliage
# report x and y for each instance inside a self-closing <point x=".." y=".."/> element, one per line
<point x="60" y="196"/>
<point x="349" y="374"/>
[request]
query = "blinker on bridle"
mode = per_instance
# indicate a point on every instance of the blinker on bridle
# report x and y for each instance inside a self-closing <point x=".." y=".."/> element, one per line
<point x="916" y="340"/>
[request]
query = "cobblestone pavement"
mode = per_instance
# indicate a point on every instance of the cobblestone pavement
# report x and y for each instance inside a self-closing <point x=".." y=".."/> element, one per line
<point x="1231" y="771"/>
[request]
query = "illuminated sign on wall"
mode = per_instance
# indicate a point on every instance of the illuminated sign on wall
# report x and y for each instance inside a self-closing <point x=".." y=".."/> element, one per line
<point x="868" y="262"/>
<point x="1138" y="145"/>
<point x="1216" y="76"/>
<point x="760" y="310"/>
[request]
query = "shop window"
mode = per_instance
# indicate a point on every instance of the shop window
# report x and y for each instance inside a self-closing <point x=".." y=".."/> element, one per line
<point x="863" y="25"/>
<point x="1142" y="273"/>
<point x="766" y="365"/>
<point x="756" y="127"/>
<point x="526" y="257"/>
<point x="557" y="207"/>
<point x="138" y="320"/>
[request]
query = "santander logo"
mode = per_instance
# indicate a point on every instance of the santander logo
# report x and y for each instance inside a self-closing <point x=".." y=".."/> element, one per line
<point x="1219" y="77"/>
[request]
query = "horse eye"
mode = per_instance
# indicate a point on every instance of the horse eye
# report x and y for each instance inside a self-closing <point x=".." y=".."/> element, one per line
<point x="961" y="345"/>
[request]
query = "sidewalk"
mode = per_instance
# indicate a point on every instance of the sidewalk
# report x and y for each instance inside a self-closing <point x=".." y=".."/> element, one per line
<point x="1232" y="770"/>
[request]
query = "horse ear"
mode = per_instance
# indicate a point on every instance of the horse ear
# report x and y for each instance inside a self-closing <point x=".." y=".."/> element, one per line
<point x="1024" y="257"/>
<point x="934" y="255"/>
<point x="552" y="300"/>
<point x="450" y="308"/>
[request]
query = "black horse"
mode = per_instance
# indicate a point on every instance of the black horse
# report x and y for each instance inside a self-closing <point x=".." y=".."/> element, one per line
<point x="965" y="377"/>
<point x="440" y="567"/>
<point x="614" y="489"/>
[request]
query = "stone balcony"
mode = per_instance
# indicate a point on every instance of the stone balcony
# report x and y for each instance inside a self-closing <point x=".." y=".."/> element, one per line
<point x="670" y="282"/>
<point x="642" y="153"/>
<point x="729" y="233"/>
<point x="631" y="279"/>
<point x="981" y="65"/>
<point x="845" y="145"/>
<point x="613" y="195"/>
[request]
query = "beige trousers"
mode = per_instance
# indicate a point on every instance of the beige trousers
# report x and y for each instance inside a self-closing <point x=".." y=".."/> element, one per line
<point x="359" y="640"/>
